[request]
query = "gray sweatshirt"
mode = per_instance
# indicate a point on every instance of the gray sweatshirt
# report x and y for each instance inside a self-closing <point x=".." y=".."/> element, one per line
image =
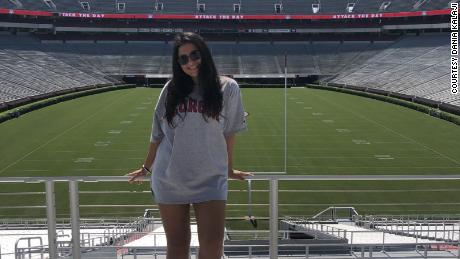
<point x="191" y="164"/>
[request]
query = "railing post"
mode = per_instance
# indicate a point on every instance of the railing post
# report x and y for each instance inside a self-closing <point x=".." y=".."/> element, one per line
<point x="444" y="231"/>
<point x="436" y="230"/>
<point x="383" y="241"/>
<point x="351" y="241"/>
<point x="51" y="219"/>
<point x="458" y="248"/>
<point x="428" y="232"/>
<point x="75" y="218"/>
<point x="273" y="219"/>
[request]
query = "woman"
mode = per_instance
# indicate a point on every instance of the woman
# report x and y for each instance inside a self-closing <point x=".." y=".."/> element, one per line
<point x="190" y="154"/>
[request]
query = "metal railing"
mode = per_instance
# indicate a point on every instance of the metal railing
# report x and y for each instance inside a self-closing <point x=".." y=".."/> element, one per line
<point x="273" y="199"/>
<point x="247" y="250"/>
<point x="21" y="252"/>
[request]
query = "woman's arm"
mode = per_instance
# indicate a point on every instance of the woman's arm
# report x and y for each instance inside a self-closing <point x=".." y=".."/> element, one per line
<point x="234" y="174"/>
<point x="141" y="172"/>
<point x="230" y="140"/>
<point x="151" y="154"/>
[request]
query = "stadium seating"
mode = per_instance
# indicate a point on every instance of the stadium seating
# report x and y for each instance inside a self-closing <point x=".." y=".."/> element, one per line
<point x="243" y="58"/>
<point x="68" y="6"/>
<point x="416" y="66"/>
<point x="36" y="5"/>
<point x="226" y="6"/>
<point x="369" y="6"/>
<point x="102" y="6"/>
<point x="8" y="4"/>
<point x="223" y="6"/>
<point x="27" y="71"/>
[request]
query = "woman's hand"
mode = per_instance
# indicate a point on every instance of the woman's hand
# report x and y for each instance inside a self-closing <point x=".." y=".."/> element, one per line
<point x="238" y="175"/>
<point x="137" y="176"/>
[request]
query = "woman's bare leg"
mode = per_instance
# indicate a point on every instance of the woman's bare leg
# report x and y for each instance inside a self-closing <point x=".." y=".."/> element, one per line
<point x="210" y="217"/>
<point x="176" y="222"/>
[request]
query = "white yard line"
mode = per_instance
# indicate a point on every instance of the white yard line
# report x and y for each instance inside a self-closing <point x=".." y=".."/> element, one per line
<point x="100" y="169"/>
<point x="389" y="129"/>
<point x="61" y="134"/>
<point x="280" y="173"/>
<point x="404" y="167"/>
<point x="355" y="191"/>
<point x="349" y="204"/>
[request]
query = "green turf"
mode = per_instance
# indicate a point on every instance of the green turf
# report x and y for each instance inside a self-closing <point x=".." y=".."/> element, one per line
<point x="328" y="133"/>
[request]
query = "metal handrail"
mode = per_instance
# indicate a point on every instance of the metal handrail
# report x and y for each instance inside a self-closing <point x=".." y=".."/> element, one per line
<point x="258" y="176"/>
<point x="356" y="251"/>
<point x="18" y="251"/>
<point x="272" y="177"/>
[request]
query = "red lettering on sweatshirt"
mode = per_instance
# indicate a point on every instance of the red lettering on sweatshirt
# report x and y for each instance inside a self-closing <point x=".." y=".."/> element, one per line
<point x="182" y="107"/>
<point x="192" y="105"/>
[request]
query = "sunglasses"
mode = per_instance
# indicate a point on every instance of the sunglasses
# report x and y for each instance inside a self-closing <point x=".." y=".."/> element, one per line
<point x="194" y="56"/>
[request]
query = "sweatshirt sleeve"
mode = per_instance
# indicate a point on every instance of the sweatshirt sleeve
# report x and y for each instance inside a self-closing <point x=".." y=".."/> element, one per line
<point x="157" y="131"/>
<point x="235" y="117"/>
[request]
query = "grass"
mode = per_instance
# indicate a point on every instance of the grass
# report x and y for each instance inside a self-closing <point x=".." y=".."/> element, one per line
<point x="328" y="133"/>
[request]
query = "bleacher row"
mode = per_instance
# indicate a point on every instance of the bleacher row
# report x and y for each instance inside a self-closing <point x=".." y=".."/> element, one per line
<point x="244" y="58"/>
<point x="227" y="6"/>
<point x="418" y="66"/>
<point x="414" y="65"/>
<point x="31" y="72"/>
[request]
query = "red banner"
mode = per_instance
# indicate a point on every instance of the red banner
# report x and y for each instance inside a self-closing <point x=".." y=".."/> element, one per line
<point x="227" y="16"/>
<point x="25" y="12"/>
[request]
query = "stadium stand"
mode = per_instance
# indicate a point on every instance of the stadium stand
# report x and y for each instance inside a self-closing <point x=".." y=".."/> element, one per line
<point x="258" y="7"/>
<point x="226" y="6"/>
<point x="73" y="56"/>
<point x="9" y="5"/>
<point x="368" y="6"/>
<point x="68" y="6"/>
<point x="27" y="71"/>
<point x="70" y="57"/>
<point x="297" y="6"/>
<point x="36" y="5"/>
<point x="417" y="66"/>
<point x="257" y="58"/>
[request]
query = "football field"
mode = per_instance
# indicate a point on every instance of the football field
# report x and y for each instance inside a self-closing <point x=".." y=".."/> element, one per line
<point x="328" y="133"/>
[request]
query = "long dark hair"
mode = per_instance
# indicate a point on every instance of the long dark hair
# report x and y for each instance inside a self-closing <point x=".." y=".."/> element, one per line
<point x="181" y="84"/>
